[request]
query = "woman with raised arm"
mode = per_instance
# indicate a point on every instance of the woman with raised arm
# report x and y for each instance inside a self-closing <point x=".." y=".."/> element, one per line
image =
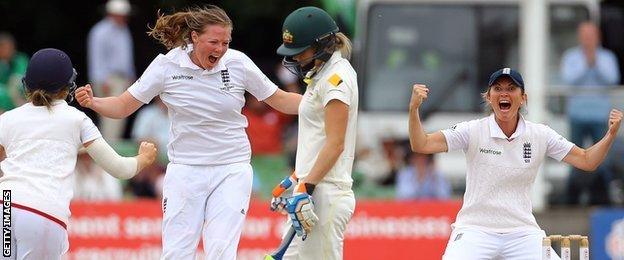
<point x="39" y="143"/>
<point x="503" y="154"/>
<point x="202" y="82"/>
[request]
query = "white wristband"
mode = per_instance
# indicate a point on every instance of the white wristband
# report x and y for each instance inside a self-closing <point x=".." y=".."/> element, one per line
<point x="113" y="163"/>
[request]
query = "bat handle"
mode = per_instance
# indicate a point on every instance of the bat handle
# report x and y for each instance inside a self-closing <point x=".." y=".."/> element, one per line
<point x="281" y="250"/>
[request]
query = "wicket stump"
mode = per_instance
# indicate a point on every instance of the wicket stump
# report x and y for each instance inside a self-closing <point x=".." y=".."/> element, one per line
<point x="565" y="241"/>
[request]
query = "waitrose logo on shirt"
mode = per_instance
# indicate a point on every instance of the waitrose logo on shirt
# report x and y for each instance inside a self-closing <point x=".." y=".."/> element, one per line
<point x="177" y="77"/>
<point x="489" y="151"/>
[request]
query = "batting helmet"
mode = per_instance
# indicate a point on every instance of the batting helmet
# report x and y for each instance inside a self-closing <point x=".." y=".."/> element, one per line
<point x="50" y="70"/>
<point x="304" y="28"/>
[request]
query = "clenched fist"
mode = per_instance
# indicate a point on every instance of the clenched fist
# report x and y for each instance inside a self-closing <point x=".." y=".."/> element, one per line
<point x="615" y="118"/>
<point x="419" y="94"/>
<point x="84" y="96"/>
<point x="147" y="154"/>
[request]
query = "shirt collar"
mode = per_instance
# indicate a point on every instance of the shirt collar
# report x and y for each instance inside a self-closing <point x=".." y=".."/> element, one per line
<point x="183" y="59"/>
<point x="497" y="132"/>
<point x="54" y="103"/>
<point x="59" y="102"/>
<point x="336" y="56"/>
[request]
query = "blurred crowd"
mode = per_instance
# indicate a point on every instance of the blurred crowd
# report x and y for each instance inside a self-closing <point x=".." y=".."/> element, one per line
<point x="386" y="169"/>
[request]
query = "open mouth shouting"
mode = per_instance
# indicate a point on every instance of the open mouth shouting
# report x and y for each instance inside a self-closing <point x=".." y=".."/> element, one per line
<point x="504" y="105"/>
<point x="213" y="59"/>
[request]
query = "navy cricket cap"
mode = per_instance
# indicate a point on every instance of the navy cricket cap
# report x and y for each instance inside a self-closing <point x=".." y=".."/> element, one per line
<point x="512" y="74"/>
<point x="50" y="70"/>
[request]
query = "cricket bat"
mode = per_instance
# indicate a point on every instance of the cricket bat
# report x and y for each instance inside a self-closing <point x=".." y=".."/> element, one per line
<point x="281" y="250"/>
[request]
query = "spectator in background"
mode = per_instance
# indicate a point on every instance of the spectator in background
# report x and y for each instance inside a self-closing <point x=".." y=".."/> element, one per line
<point x="265" y="127"/>
<point x="147" y="184"/>
<point x="92" y="183"/>
<point x="110" y="60"/>
<point x="12" y="68"/>
<point x="591" y="70"/>
<point x="420" y="180"/>
<point x="379" y="162"/>
<point x="394" y="153"/>
<point x="152" y="123"/>
<point x="272" y="136"/>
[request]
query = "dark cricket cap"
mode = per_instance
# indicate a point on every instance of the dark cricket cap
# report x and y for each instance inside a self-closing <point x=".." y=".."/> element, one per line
<point x="49" y="69"/>
<point x="512" y="74"/>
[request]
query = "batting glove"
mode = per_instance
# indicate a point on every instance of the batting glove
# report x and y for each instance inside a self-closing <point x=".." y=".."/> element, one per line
<point x="278" y="203"/>
<point x="300" y="208"/>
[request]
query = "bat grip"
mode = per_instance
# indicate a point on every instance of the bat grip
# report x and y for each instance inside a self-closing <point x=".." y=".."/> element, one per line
<point x="281" y="250"/>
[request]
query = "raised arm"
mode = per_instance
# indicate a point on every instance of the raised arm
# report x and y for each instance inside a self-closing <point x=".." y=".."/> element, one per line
<point x="589" y="159"/>
<point x="113" y="107"/>
<point x="285" y="102"/>
<point x="420" y="141"/>
<point x="117" y="165"/>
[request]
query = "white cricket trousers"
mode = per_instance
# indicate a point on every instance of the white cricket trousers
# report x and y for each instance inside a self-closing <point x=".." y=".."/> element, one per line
<point x="468" y="243"/>
<point x="334" y="206"/>
<point x="210" y="202"/>
<point x="35" y="237"/>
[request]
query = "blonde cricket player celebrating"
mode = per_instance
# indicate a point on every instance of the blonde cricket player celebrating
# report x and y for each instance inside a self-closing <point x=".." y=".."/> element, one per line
<point x="322" y="201"/>
<point x="40" y="141"/>
<point x="503" y="154"/>
<point x="202" y="82"/>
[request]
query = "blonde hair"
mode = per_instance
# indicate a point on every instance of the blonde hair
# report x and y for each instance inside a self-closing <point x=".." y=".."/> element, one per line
<point x="40" y="97"/>
<point x="174" y="30"/>
<point x="337" y="42"/>
<point x="344" y="45"/>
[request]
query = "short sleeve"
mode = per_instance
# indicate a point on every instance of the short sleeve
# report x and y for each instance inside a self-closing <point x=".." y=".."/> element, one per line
<point x="256" y="83"/>
<point x="88" y="130"/>
<point x="151" y="83"/>
<point x="557" y="146"/>
<point x="458" y="136"/>
<point x="335" y="87"/>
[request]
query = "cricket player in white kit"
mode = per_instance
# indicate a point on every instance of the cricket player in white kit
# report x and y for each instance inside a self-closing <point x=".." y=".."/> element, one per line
<point x="503" y="154"/>
<point x="323" y="202"/>
<point x="39" y="144"/>
<point x="202" y="82"/>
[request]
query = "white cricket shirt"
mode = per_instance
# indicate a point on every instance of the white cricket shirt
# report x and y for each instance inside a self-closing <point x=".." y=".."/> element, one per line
<point x="501" y="171"/>
<point x="207" y="127"/>
<point x="41" y="148"/>
<point x="336" y="80"/>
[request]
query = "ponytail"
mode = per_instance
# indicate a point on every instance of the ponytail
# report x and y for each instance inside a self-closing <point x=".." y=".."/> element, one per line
<point x="174" y="30"/>
<point x="40" y="97"/>
<point x="344" y="45"/>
